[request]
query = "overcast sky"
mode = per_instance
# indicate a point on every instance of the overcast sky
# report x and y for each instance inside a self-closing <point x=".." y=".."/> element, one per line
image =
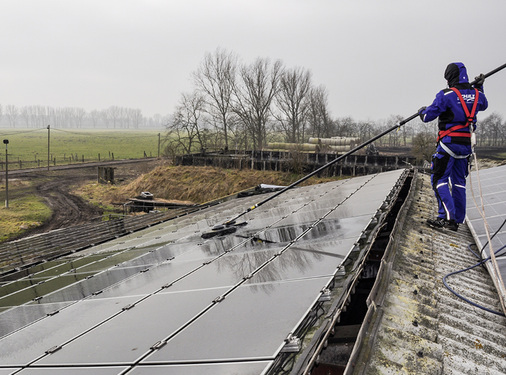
<point x="376" y="58"/>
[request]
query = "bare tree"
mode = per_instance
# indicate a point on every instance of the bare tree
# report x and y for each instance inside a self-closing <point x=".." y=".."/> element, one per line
<point x="25" y="114"/>
<point x="490" y="130"/>
<point x="53" y="119"/>
<point x="95" y="117"/>
<point x="68" y="118"/>
<point x="320" y="123"/>
<point x="254" y="95"/>
<point x="216" y="79"/>
<point x="12" y="114"/>
<point x="394" y="136"/>
<point x="79" y="115"/>
<point x="292" y="99"/>
<point x="423" y="145"/>
<point x="106" y="118"/>
<point x="114" y="114"/>
<point x="159" y="120"/>
<point x="364" y="130"/>
<point x="41" y="116"/>
<point x="345" y="127"/>
<point x="185" y="132"/>
<point x="135" y="117"/>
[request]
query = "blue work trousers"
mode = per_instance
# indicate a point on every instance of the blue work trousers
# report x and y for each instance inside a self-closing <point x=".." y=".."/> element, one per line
<point x="449" y="183"/>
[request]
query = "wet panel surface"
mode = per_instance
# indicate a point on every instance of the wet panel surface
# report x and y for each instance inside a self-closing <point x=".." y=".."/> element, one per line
<point x="228" y="270"/>
<point x="95" y="283"/>
<point x="32" y="342"/>
<point x="41" y="289"/>
<point x="152" y="280"/>
<point x="305" y="260"/>
<point x="250" y="323"/>
<point x="20" y="316"/>
<point x="150" y="321"/>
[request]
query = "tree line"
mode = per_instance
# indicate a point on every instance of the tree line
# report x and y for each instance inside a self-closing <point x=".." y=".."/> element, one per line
<point x="243" y="106"/>
<point x="114" y="117"/>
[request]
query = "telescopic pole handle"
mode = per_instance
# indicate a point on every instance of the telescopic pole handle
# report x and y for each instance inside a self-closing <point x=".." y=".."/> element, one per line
<point x="491" y="72"/>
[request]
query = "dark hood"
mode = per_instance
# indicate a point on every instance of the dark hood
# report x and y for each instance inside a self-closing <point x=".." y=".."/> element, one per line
<point x="455" y="74"/>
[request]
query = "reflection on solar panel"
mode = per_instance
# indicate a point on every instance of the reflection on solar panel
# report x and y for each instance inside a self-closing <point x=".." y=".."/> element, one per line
<point x="164" y="300"/>
<point x="493" y="192"/>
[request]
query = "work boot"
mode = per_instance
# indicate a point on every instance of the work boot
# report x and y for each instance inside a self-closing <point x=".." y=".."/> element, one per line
<point x="437" y="223"/>
<point x="441" y="222"/>
<point x="452" y="225"/>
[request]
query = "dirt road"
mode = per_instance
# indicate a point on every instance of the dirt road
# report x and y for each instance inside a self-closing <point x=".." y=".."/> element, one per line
<point x="67" y="209"/>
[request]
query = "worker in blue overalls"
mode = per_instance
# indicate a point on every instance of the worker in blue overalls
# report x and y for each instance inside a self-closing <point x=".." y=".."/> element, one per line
<point x="456" y="109"/>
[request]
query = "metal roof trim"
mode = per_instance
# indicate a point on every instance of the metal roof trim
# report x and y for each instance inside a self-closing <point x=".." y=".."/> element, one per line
<point x="378" y="292"/>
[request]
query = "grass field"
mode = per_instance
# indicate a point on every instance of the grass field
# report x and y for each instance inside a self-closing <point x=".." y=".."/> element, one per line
<point x="26" y="209"/>
<point x="30" y="147"/>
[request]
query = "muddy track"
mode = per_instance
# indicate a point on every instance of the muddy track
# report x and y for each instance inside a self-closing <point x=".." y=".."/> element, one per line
<point x="68" y="209"/>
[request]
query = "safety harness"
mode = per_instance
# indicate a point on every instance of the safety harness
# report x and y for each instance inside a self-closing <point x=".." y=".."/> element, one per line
<point x="453" y="131"/>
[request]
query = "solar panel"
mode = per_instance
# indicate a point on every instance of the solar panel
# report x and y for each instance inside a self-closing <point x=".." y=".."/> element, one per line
<point x="167" y="300"/>
<point x="132" y="332"/>
<point x="251" y="323"/>
<point x="493" y="196"/>
<point x="32" y="342"/>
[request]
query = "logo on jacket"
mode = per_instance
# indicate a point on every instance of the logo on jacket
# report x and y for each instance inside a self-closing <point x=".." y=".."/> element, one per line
<point x="468" y="98"/>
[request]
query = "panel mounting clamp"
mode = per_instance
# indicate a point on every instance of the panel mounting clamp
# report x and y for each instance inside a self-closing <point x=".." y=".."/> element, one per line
<point x="158" y="345"/>
<point x="53" y="349"/>
<point x="292" y="345"/>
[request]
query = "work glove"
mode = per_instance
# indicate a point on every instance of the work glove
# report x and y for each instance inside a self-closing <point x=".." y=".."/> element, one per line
<point x="420" y="112"/>
<point x="480" y="80"/>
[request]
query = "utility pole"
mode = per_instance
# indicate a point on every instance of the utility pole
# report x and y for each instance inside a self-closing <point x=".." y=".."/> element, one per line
<point x="48" y="145"/>
<point x="6" y="141"/>
<point x="158" y="145"/>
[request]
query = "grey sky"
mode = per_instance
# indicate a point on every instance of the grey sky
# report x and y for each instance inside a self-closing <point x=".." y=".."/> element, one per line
<point x="376" y="58"/>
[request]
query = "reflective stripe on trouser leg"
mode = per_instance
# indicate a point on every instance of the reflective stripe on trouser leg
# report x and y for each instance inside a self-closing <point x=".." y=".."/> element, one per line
<point x="442" y="208"/>
<point x="458" y="176"/>
<point x="441" y="168"/>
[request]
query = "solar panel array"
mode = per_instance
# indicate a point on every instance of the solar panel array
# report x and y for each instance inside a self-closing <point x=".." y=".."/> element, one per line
<point x="486" y="194"/>
<point x="166" y="301"/>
